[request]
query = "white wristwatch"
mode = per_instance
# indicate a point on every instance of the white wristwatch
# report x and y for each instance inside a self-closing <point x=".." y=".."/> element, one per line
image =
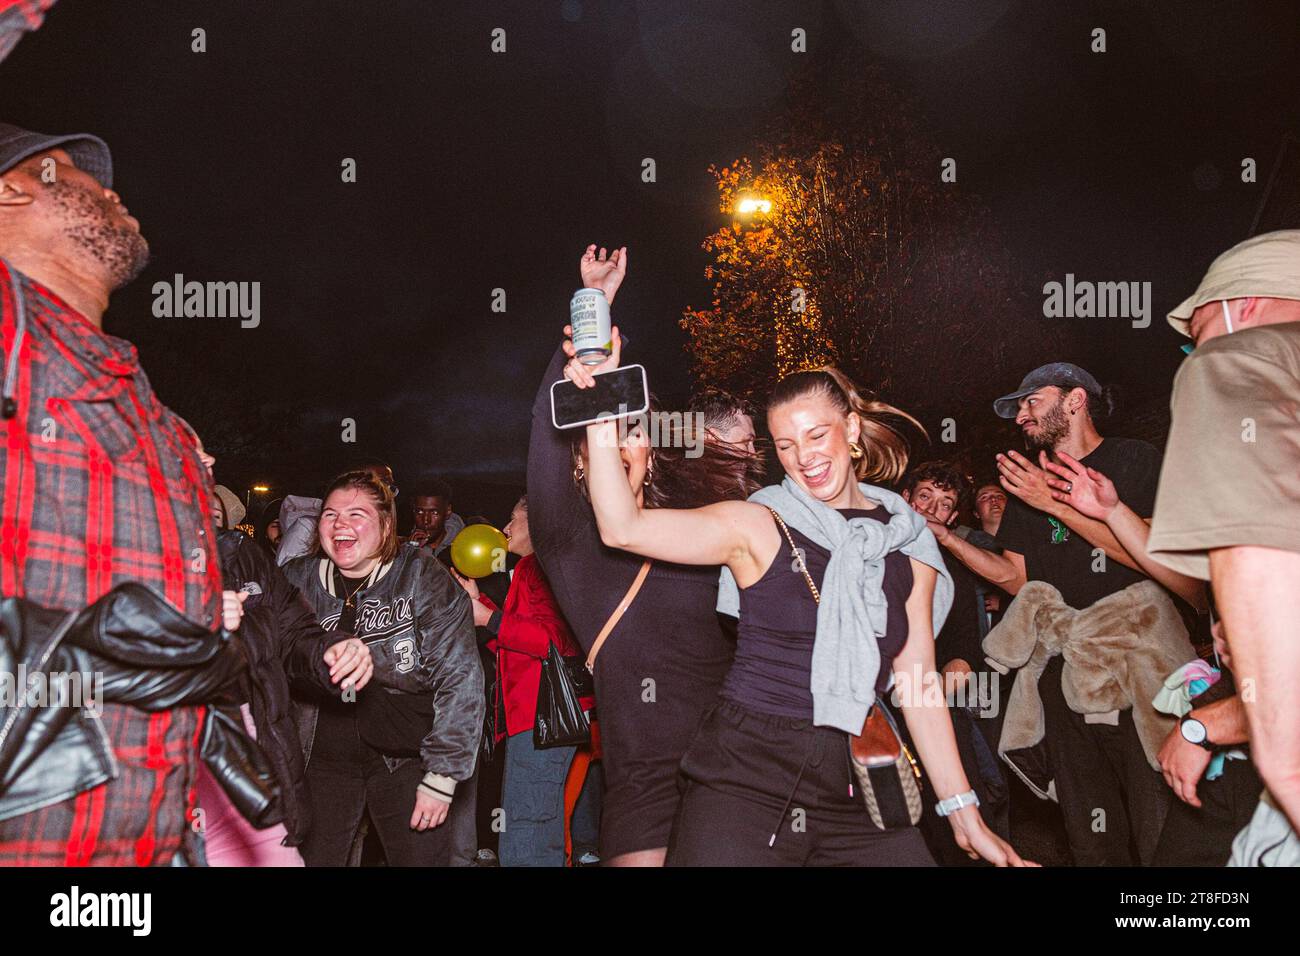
<point x="953" y="804"/>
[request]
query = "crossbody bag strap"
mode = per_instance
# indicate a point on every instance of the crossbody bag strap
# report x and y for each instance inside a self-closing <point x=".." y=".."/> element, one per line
<point x="617" y="615"/>
<point x="798" y="555"/>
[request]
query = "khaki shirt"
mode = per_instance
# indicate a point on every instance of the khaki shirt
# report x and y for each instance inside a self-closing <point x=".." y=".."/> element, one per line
<point x="1231" y="473"/>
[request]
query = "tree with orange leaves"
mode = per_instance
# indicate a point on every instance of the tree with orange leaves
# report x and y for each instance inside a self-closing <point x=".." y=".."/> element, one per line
<point x="864" y="258"/>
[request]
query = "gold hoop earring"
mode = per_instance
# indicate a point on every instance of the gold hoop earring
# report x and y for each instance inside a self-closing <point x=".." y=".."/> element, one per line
<point x="855" y="450"/>
<point x="649" y="475"/>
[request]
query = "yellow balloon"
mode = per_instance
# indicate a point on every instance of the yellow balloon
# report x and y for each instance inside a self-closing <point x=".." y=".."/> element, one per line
<point x="479" y="550"/>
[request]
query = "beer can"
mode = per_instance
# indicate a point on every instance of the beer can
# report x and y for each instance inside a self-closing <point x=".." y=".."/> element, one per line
<point x="589" y="316"/>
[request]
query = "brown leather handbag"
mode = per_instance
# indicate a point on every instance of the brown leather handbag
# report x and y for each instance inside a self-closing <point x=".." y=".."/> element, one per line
<point x="887" y="775"/>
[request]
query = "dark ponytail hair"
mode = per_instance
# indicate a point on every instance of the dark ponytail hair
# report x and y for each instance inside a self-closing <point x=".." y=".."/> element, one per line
<point x="883" y="432"/>
<point x="719" y="473"/>
<point x="677" y="480"/>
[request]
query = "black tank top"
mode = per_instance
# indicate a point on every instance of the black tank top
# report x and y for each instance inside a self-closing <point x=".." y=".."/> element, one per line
<point x="772" y="672"/>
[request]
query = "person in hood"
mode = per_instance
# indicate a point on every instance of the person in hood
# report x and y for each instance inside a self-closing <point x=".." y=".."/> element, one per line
<point x="268" y="529"/>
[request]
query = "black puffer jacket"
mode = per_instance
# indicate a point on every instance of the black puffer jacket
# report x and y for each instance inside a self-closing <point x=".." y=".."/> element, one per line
<point x="129" y="647"/>
<point x="285" y="645"/>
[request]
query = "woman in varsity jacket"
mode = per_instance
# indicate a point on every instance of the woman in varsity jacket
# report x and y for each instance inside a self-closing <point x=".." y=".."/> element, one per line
<point x="396" y="749"/>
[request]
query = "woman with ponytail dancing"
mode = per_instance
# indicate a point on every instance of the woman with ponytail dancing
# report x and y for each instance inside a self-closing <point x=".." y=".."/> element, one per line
<point x="839" y="587"/>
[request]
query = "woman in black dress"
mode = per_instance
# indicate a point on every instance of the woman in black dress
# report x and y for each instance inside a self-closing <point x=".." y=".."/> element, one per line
<point x="662" y="665"/>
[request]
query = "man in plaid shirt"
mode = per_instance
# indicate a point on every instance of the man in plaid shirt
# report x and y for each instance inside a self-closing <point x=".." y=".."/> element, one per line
<point x="99" y="484"/>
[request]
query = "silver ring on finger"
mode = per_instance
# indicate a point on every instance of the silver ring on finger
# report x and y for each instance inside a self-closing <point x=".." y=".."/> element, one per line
<point x="1069" y="487"/>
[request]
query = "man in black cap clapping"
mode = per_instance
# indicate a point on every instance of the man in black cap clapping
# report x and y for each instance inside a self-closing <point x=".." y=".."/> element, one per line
<point x="1097" y="766"/>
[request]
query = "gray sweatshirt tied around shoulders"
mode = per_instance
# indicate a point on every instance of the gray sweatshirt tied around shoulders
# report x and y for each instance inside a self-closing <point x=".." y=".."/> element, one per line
<point x="853" y="612"/>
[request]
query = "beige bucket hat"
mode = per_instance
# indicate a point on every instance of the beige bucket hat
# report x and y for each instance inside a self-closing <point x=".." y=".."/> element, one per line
<point x="1267" y="266"/>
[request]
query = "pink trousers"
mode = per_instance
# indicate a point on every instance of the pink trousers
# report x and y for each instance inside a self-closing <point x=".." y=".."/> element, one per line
<point x="229" y="839"/>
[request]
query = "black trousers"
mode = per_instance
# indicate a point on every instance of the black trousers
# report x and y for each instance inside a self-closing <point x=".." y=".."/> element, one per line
<point x="1113" y="803"/>
<point x="1203" y="837"/>
<point x="739" y="774"/>
<point x="346" y="778"/>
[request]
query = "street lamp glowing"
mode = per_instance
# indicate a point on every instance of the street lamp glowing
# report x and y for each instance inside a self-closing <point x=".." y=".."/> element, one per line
<point x="261" y="488"/>
<point x="753" y="204"/>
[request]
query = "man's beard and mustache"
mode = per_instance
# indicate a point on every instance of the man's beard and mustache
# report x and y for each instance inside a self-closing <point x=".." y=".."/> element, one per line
<point x="1052" y="427"/>
<point x="95" y="226"/>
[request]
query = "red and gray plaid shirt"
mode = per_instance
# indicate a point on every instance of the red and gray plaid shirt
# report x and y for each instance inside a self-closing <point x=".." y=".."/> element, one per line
<point x="102" y="483"/>
<point x="99" y="484"/>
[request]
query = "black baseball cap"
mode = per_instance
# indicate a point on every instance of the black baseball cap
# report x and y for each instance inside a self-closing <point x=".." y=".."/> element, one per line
<point x="88" y="152"/>
<point x="1061" y="374"/>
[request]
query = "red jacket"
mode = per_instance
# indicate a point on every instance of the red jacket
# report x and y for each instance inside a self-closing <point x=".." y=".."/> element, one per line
<point x="530" y="622"/>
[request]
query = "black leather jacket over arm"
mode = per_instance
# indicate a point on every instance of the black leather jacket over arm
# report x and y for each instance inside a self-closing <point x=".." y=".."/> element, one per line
<point x="129" y="647"/>
<point x="453" y="673"/>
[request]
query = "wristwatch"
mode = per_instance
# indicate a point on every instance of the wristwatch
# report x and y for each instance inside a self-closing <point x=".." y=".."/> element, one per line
<point x="953" y="804"/>
<point x="1194" y="732"/>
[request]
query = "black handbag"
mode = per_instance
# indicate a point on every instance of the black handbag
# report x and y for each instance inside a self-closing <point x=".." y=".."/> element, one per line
<point x="561" y="721"/>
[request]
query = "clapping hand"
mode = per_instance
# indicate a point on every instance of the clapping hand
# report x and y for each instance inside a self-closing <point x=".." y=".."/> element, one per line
<point x="1025" y="480"/>
<point x="350" y="662"/>
<point x="1084" y="489"/>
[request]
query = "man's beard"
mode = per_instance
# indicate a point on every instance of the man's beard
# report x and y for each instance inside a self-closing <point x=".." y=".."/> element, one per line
<point x="90" y="223"/>
<point x="1053" y="427"/>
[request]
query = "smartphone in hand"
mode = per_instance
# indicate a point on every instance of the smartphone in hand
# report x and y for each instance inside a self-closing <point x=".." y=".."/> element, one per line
<point x="619" y="393"/>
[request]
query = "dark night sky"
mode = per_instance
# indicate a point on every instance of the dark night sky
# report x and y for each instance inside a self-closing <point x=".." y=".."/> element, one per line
<point x="478" y="171"/>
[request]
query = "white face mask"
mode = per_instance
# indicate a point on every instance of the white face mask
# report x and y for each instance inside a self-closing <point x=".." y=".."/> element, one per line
<point x="1227" y="321"/>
